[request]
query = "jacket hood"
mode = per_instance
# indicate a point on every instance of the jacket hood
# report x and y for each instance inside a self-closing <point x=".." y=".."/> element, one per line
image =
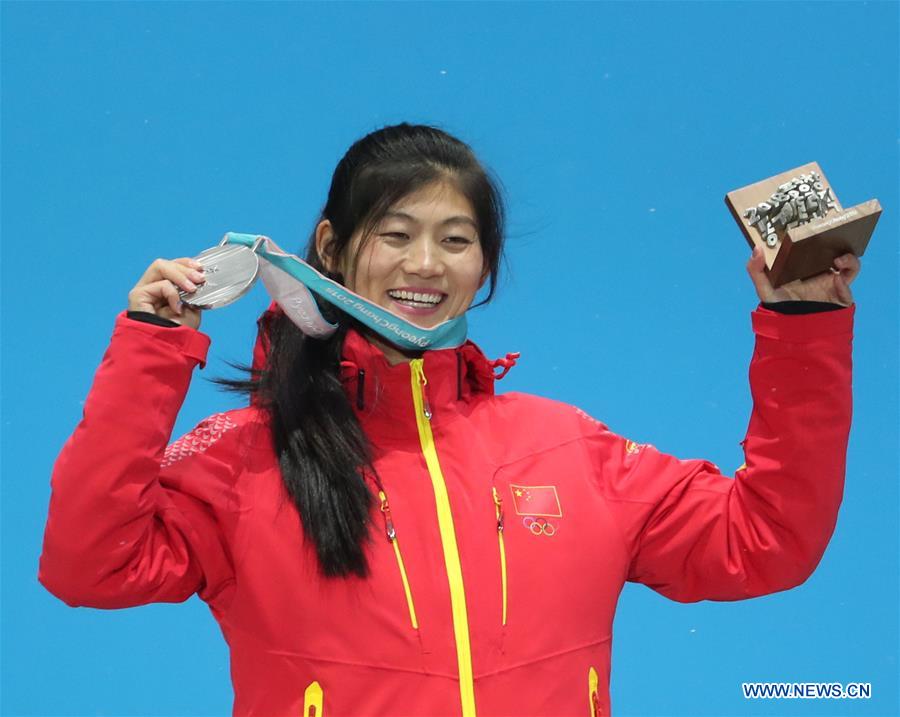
<point x="461" y="372"/>
<point x="261" y="346"/>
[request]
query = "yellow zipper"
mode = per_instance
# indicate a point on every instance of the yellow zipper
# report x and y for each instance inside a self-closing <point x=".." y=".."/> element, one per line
<point x="498" y="507"/>
<point x="392" y="537"/>
<point x="448" y="540"/>
<point x="312" y="701"/>
<point x="593" y="692"/>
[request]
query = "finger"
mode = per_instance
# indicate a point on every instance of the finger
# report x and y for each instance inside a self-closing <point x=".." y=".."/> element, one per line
<point x="173" y="298"/>
<point x="189" y="262"/>
<point x="180" y="275"/>
<point x="175" y="271"/>
<point x="153" y="272"/>
<point x="756" y="268"/>
<point x="849" y="266"/>
<point x="196" y="275"/>
<point x="151" y="297"/>
<point x="844" y="295"/>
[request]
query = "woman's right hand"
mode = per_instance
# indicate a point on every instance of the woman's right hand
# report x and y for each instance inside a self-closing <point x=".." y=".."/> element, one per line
<point x="157" y="290"/>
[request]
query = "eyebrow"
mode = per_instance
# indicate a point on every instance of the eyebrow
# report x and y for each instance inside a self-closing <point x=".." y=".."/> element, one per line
<point x="458" y="219"/>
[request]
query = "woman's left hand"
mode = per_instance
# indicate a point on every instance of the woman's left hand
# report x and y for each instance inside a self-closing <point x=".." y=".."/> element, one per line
<point x="832" y="286"/>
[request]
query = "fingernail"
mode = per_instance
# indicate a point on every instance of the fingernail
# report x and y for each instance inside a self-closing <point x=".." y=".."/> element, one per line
<point x="198" y="276"/>
<point x="190" y="285"/>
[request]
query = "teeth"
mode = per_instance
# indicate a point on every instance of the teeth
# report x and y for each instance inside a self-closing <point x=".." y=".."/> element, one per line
<point x="416" y="296"/>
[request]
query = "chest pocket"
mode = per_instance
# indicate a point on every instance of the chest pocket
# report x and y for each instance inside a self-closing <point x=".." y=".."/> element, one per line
<point x="558" y="550"/>
<point x="535" y="506"/>
<point x="529" y="521"/>
<point x="392" y="538"/>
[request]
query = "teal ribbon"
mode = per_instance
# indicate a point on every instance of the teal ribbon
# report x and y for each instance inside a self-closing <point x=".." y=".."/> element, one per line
<point x="395" y="329"/>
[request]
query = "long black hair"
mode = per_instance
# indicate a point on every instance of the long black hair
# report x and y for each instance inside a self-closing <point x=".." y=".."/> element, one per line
<point x="321" y="446"/>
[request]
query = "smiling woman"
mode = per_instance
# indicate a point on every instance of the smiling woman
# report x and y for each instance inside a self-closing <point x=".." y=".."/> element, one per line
<point x="519" y="518"/>
<point x="383" y="229"/>
<point x="423" y="260"/>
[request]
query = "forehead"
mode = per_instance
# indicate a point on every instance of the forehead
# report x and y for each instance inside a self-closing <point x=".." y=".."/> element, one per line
<point x="435" y="203"/>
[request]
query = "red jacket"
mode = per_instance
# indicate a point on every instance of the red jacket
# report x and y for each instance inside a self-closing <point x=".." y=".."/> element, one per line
<point x="515" y="521"/>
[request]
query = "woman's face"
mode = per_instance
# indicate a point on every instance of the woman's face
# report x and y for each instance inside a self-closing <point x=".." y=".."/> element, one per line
<point x="423" y="261"/>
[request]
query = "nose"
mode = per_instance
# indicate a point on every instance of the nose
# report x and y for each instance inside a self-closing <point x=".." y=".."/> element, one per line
<point x="423" y="258"/>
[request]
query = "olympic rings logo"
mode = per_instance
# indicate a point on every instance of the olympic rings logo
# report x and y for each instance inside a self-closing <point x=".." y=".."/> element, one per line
<point x="539" y="526"/>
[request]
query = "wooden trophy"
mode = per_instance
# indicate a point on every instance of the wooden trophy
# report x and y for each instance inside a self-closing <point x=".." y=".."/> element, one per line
<point x="797" y="221"/>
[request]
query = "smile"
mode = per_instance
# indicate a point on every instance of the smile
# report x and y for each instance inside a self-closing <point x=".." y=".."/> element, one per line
<point x="416" y="298"/>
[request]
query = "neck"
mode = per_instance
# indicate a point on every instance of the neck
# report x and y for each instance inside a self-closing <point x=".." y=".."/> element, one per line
<point x="391" y="352"/>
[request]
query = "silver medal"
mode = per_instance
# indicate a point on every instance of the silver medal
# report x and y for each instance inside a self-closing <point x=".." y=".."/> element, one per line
<point x="229" y="270"/>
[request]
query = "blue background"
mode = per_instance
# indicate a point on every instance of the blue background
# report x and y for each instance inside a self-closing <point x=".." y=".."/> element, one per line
<point x="137" y="130"/>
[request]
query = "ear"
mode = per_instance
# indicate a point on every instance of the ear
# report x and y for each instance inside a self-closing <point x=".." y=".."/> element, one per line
<point x="324" y="246"/>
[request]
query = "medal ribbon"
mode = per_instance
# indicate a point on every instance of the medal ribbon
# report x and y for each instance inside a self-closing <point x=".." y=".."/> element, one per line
<point x="291" y="283"/>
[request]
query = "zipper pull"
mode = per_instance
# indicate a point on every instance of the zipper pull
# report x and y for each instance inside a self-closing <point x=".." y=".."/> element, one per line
<point x="423" y="382"/>
<point x="388" y="522"/>
<point x="498" y="503"/>
<point x="594" y="687"/>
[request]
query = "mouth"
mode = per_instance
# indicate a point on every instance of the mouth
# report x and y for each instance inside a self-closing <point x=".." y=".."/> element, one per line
<point x="419" y="302"/>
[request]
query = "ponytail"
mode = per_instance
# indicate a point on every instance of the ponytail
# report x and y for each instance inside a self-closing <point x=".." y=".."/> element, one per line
<point x="320" y="444"/>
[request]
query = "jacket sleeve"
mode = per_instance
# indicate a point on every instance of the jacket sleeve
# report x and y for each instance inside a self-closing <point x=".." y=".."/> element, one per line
<point x="129" y="522"/>
<point x="696" y="534"/>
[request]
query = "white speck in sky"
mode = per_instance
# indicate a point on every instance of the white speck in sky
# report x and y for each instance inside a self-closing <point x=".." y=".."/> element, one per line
<point x="693" y="629"/>
<point x="652" y="209"/>
<point x="443" y="72"/>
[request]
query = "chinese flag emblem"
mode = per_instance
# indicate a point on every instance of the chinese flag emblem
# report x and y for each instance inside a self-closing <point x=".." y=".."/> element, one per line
<point x="536" y="500"/>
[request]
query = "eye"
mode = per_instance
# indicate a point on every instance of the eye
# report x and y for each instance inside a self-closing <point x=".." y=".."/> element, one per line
<point x="396" y="235"/>
<point x="458" y="240"/>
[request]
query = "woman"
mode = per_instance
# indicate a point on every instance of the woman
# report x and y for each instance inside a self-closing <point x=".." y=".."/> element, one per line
<point x="378" y="532"/>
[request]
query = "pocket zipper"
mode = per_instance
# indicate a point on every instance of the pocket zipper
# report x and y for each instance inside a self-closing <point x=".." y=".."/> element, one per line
<point x="392" y="538"/>
<point x="313" y="700"/>
<point x="594" y="693"/>
<point x="498" y="508"/>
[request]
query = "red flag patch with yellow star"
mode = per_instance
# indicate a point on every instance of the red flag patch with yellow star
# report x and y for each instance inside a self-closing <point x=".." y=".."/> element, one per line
<point x="536" y="500"/>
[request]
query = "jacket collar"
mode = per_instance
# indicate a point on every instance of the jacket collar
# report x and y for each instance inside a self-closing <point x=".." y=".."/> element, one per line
<point x="381" y="394"/>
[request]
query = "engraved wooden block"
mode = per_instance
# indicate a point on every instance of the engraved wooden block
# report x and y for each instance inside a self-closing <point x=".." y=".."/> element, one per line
<point x="797" y="221"/>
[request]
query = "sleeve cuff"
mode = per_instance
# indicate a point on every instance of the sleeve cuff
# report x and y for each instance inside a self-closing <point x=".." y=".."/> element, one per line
<point x="803" y="327"/>
<point x="149" y="318"/>
<point x="190" y="342"/>
<point x="801" y="307"/>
